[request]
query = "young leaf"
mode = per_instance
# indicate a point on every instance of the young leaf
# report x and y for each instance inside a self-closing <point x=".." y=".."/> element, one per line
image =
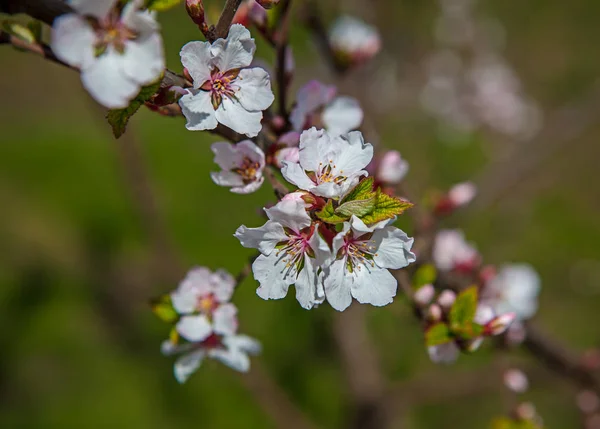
<point x="163" y="308"/>
<point x="356" y="207"/>
<point x="464" y="308"/>
<point x="426" y="274"/>
<point x="161" y="5"/>
<point x="438" y="334"/>
<point x="385" y="207"/>
<point x="362" y="191"/>
<point x="328" y="215"/>
<point x="118" y="118"/>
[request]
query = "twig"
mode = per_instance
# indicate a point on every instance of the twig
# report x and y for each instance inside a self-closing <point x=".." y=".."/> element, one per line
<point x="44" y="10"/>
<point x="279" y="188"/>
<point x="281" y="50"/>
<point x="227" y="15"/>
<point x="36" y="48"/>
<point x="362" y="368"/>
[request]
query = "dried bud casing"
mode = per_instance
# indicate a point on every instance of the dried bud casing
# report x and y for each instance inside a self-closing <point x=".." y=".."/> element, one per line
<point x="195" y="9"/>
<point x="268" y="4"/>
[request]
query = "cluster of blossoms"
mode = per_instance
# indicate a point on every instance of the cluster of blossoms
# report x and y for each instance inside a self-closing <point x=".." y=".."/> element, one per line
<point x="469" y="84"/>
<point x="204" y="323"/>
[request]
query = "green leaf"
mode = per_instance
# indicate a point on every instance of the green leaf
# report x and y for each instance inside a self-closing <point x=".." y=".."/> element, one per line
<point x="357" y="207"/>
<point x="161" y="5"/>
<point x="464" y="308"/>
<point x="468" y="330"/>
<point x="327" y="214"/>
<point x="426" y="274"/>
<point x="438" y="334"/>
<point x="362" y="191"/>
<point x="118" y="118"/>
<point x="19" y="31"/>
<point x="163" y="308"/>
<point x="385" y="207"/>
<point x="35" y="27"/>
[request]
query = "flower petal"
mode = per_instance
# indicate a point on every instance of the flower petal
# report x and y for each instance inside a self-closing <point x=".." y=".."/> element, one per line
<point x="95" y="8"/>
<point x="243" y="343"/>
<point x="290" y="213"/>
<point x="294" y="173"/>
<point x="232" y="357"/>
<point x="194" y="328"/>
<point x="234" y="52"/>
<point x="315" y="145"/>
<point x="337" y="286"/>
<point x="187" y="365"/>
<point x="196" y="58"/>
<point x="444" y="353"/>
<point x="227" y="178"/>
<point x="356" y="154"/>
<point x="225" y="319"/>
<point x="374" y="285"/>
<point x="249" y="188"/>
<point x="342" y="115"/>
<point x="310" y="98"/>
<point x="264" y="238"/>
<point x="144" y="59"/>
<point x="73" y="40"/>
<point x="393" y="248"/>
<point x="233" y="115"/>
<point x="269" y="272"/>
<point x="307" y="285"/>
<point x="223" y="285"/>
<point x="198" y="111"/>
<point x="255" y="92"/>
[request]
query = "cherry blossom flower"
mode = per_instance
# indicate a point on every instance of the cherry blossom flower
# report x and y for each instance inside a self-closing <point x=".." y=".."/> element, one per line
<point x="202" y="301"/>
<point x="516" y="380"/>
<point x="514" y="289"/>
<point x="118" y="51"/>
<point x="225" y="91"/>
<point x="329" y="166"/>
<point x="361" y="258"/>
<point x="459" y="195"/>
<point x="452" y="252"/>
<point x="242" y="166"/>
<point x="317" y="105"/>
<point x="287" y="149"/>
<point x="291" y="252"/>
<point x="232" y="350"/>
<point x="353" y="41"/>
<point x="391" y="168"/>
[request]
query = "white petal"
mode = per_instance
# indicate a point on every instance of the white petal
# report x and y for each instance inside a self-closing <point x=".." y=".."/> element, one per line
<point x="243" y="343"/>
<point x="196" y="58"/>
<point x="328" y="190"/>
<point x="234" y="52"/>
<point x="96" y="8"/>
<point x="233" y="115"/>
<point x="269" y="272"/>
<point x="444" y="353"/>
<point x="342" y="115"/>
<point x="223" y="285"/>
<point x="187" y="364"/>
<point x="255" y="89"/>
<point x="356" y="154"/>
<point x="251" y="150"/>
<point x="306" y="285"/>
<point x="184" y="301"/>
<point x="227" y="178"/>
<point x="290" y="213"/>
<point x="392" y="168"/>
<point x="105" y="81"/>
<point x="225" y="319"/>
<point x="144" y="60"/>
<point x="198" y="111"/>
<point x="194" y="328"/>
<point x="375" y="286"/>
<point x="232" y="357"/>
<point x="264" y="238"/>
<point x="249" y="188"/>
<point x="73" y="40"/>
<point x="309" y="98"/>
<point x="226" y="155"/>
<point x="315" y="146"/>
<point x="337" y="286"/>
<point x="294" y="173"/>
<point x="393" y="248"/>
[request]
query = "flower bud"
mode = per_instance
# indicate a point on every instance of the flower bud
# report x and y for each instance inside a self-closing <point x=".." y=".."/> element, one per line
<point x="446" y="299"/>
<point x="462" y="193"/>
<point x="588" y="401"/>
<point x="353" y="41"/>
<point x="268" y="4"/>
<point x="434" y="313"/>
<point x="290" y="154"/>
<point x="474" y="344"/>
<point x="195" y="9"/>
<point x="392" y="168"/>
<point x="424" y="295"/>
<point x="516" y="380"/>
<point x="500" y="324"/>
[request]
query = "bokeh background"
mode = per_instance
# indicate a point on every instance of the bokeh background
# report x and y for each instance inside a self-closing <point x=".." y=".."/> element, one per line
<point x="92" y="227"/>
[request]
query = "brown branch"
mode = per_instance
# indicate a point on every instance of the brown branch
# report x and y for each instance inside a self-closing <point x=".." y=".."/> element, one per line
<point x="43" y="10"/>
<point x="222" y="28"/>
<point x="36" y="48"/>
<point x="362" y="369"/>
<point x="278" y="187"/>
<point x="281" y="48"/>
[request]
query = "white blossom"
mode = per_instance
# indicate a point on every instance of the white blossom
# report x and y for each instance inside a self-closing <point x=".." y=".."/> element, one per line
<point x="116" y="51"/>
<point x="451" y="251"/>
<point x="317" y="105"/>
<point x="291" y="252"/>
<point x="242" y="166"/>
<point x="361" y="258"/>
<point x="232" y="350"/>
<point x="225" y="90"/>
<point x="353" y="40"/>
<point x="202" y="301"/>
<point x="329" y="166"/>
<point x="514" y="289"/>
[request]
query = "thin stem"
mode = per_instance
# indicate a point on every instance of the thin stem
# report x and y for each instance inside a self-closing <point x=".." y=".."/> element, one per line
<point x="281" y="50"/>
<point x="227" y="15"/>
<point x="36" y="48"/>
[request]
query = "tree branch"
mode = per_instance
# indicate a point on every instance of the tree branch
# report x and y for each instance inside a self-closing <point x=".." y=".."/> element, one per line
<point x="43" y="10"/>
<point x="222" y="28"/>
<point x="281" y="47"/>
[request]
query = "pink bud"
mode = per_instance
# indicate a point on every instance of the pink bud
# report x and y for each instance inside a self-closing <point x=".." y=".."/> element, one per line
<point x="434" y="313"/>
<point x="474" y="344"/>
<point x="526" y="411"/>
<point x="392" y="168"/>
<point x="500" y="324"/>
<point x="424" y="295"/>
<point x="195" y="9"/>
<point x="462" y="193"/>
<point x="516" y="380"/>
<point x="588" y="401"/>
<point x="290" y="154"/>
<point x="267" y="4"/>
<point x="446" y="299"/>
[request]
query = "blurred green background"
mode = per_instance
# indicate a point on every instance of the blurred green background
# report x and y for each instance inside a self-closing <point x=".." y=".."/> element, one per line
<point x="80" y="255"/>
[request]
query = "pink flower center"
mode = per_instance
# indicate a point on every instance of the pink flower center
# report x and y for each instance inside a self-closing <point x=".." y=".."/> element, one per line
<point x="294" y="249"/>
<point x="358" y="251"/>
<point x="328" y="173"/>
<point x="207" y="304"/>
<point x="248" y="170"/>
<point x="221" y="85"/>
<point x="111" y="31"/>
